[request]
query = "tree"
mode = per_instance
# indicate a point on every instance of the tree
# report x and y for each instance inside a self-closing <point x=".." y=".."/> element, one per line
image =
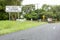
<point x="46" y="7"/>
<point x="28" y="8"/>
<point x="15" y="3"/>
<point x="56" y="11"/>
<point x="4" y="3"/>
<point x="32" y="15"/>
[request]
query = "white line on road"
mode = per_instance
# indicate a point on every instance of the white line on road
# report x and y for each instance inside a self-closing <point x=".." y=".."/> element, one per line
<point x="54" y="27"/>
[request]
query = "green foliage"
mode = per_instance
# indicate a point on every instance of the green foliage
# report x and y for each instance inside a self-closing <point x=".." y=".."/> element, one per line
<point x="3" y="16"/>
<point x="50" y="14"/>
<point x="49" y="11"/>
<point x="3" y="4"/>
<point x="28" y="8"/>
<point x="52" y="11"/>
<point x="58" y="16"/>
<point x="32" y="15"/>
<point x="30" y="12"/>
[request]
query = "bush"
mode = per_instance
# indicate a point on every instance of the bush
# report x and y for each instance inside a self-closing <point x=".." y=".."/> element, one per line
<point x="58" y="16"/>
<point x="4" y="16"/>
<point x="32" y="15"/>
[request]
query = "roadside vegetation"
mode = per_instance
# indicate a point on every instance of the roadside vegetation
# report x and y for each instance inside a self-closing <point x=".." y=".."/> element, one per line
<point x="14" y="26"/>
<point x="29" y="13"/>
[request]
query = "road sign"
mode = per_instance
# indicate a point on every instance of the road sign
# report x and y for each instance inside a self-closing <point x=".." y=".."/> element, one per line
<point x="43" y="16"/>
<point x="13" y="9"/>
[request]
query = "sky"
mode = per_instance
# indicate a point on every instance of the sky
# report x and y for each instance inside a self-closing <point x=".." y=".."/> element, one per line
<point x="41" y="2"/>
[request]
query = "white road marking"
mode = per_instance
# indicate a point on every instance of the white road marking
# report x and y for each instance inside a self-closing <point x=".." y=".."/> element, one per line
<point x="54" y="27"/>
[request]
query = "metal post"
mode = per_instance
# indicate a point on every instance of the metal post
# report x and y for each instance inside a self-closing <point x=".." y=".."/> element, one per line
<point x="18" y="15"/>
<point x="9" y="15"/>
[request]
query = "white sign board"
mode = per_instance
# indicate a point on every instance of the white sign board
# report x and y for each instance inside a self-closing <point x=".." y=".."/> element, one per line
<point x="13" y="9"/>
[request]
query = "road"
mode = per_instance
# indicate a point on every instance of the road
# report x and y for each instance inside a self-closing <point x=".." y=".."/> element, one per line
<point x="49" y="31"/>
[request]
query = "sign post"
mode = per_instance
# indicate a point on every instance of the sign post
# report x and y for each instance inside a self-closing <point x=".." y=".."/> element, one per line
<point x="10" y="9"/>
<point x="18" y="16"/>
<point x="9" y="15"/>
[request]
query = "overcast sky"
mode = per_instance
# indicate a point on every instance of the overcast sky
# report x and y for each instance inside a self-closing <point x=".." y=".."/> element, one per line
<point x="41" y="2"/>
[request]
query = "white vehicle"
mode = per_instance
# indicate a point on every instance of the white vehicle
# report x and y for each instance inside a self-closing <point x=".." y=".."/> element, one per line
<point x="49" y="19"/>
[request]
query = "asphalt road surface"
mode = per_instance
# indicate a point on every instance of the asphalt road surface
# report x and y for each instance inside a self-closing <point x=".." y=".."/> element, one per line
<point x="44" y="32"/>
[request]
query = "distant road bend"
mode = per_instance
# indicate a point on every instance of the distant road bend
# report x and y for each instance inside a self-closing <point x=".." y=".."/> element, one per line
<point x="49" y="31"/>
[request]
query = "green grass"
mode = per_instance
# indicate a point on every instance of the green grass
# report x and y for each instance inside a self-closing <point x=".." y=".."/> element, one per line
<point x="13" y="26"/>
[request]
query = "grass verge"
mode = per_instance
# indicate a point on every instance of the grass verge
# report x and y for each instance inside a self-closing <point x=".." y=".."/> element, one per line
<point x="7" y="27"/>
